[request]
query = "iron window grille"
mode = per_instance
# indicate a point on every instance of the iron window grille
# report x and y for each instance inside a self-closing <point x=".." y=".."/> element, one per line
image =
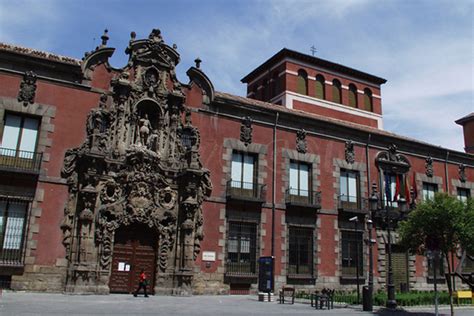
<point x="300" y="252"/>
<point x="242" y="249"/>
<point x="13" y="223"/>
<point x="352" y="252"/>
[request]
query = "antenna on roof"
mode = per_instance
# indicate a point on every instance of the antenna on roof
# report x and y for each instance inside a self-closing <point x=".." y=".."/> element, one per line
<point x="313" y="50"/>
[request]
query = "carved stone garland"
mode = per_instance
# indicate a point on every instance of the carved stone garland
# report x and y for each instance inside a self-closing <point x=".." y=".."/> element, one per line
<point x="117" y="177"/>
<point x="429" y="166"/>
<point x="27" y="91"/>
<point x="349" y="152"/>
<point x="301" y="145"/>
<point x="246" y="131"/>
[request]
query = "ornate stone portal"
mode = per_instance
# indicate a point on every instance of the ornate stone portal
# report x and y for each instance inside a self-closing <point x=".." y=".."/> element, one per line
<point x="140" y="164"/>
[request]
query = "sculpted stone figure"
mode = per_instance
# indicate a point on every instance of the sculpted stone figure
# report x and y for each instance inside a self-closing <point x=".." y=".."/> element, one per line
<point x="145" y="127"/>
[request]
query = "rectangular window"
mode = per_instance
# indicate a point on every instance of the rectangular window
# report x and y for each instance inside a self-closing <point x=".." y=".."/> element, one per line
<point x="300" y="254"/>
<point x="242" y="248"/>
<point x="429" y="190"/>
<point x="349" y="182"/>
<point x="439" y="271"/>
<point x="12" y="230"/>
<point x="299" y="178"/>
<point x="463" y="194"/>
<point x="243" y="171"/>
<point x="389" y="194"/>
<point x="352" y="252"/>
<point x="19" y="136"/>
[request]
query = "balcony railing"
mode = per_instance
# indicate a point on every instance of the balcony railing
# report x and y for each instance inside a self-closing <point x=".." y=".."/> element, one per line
<point x="20" y="160"/>
<point x="246" y="191"/>
<point x="353" y="204"/>
<point x="303" y="198"/>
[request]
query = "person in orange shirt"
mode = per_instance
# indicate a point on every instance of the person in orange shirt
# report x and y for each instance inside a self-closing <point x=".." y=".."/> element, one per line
<point x="142" y="283"/>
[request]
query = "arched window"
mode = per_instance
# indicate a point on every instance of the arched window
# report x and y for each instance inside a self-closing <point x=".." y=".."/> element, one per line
<point x="275" y="85"/>
<point x="352" y="95"/>
<point x="320" y="93"/>
<point x="336" y="91"/>
<point x="368" y="100"/>
<point x="302" y="83"/>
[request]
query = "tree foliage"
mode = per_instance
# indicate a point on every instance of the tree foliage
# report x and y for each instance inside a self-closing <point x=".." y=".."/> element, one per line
<point x="442" y="223"/>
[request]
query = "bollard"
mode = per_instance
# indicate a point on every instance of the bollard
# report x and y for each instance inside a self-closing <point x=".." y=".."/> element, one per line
<point x="366" y="299"/>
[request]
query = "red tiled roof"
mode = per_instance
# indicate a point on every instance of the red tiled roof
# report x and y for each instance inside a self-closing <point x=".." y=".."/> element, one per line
<point x="39" y="54"/>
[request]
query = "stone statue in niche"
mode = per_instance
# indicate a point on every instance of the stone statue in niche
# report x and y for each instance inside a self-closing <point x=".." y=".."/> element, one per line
<point x="153" y="141"/>
<point x="145" y="127"/>
<point x="429" y="166"/>
<point x="98" y="118"/>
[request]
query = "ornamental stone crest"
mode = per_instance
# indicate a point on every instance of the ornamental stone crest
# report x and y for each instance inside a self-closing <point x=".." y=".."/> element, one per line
<point x="27" y="88"/>
<point x="349" y="152"/>
<point x="246" y="131"/>
<point x="462" y="172"/>
<point x="429" y="166"/>
<point x="301" y="145"/>
<point x="392" y="161"/>
<point x="139" y="167"/>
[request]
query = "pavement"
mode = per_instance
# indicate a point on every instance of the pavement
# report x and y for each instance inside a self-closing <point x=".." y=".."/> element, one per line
<point x="27" y="303"/>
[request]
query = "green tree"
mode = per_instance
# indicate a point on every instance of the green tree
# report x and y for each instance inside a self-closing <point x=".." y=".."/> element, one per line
<point x="443" y="223"/>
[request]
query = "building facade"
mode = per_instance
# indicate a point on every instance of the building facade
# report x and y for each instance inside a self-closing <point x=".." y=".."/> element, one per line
<point x="104" y="172"/>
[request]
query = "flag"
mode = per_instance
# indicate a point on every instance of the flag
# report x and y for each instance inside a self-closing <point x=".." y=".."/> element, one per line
<point x="397" y="188"/>
<point x="407" y="190"/>
<point x="388" y="187"/>
<point x="415" y="192"/>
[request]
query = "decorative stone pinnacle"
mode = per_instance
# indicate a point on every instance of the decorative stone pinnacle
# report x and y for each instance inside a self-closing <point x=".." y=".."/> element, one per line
<point x="198" y="62"/>
<point x="105" y="38"/>
<point x="133" y="35"/>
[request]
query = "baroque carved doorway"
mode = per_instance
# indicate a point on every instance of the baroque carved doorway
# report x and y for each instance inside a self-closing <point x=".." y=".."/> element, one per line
<point x="135" y="248"/>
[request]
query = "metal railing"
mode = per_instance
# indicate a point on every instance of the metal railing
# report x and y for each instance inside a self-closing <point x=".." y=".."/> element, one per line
<point x="13" y="215"/>
<point x="304" y="198"/>
<point x="248" y="191"/>
<point x="20" y="160"/>
<point x="353" y="204"/>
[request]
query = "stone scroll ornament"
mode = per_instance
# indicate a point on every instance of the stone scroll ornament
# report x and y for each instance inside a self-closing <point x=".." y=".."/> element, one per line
<point x="139" y="165"/>
<point x="27" y="91"/>
<point x="246" y="130"/>
<point x="349" y="152"/>
<point x="301" y="145"/>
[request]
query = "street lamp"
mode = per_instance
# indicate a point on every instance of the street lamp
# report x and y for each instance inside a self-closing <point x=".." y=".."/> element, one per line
<point x="355" y="220"/>
<point x="388" y="215"/>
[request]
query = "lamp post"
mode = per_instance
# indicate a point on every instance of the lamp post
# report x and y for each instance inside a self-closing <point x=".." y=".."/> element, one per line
<point x="355" y="220"/>
<point x="388" y="215"/>
<point x="368" y="306"/>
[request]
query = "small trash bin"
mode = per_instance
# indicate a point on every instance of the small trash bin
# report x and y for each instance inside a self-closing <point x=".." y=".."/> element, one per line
<point x="366" y="299"/>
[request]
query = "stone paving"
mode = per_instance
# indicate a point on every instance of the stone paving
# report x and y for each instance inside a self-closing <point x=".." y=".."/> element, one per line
<point x="25" y="303"/>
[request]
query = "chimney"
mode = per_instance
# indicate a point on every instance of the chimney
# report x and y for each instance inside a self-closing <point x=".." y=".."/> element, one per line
<point x="467" y="124"/>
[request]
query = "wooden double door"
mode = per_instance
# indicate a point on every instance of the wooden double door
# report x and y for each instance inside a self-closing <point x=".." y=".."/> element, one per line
<point x="135" y="248"/>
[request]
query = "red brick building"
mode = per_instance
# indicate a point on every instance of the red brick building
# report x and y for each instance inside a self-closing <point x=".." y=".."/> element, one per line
<point x="105" y="171"/>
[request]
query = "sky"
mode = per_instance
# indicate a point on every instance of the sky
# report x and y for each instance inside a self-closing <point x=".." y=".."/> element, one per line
<point x="423" y="48"/>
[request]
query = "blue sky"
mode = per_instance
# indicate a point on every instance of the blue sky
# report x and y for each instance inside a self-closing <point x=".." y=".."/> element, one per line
<point x="423" y="48"/>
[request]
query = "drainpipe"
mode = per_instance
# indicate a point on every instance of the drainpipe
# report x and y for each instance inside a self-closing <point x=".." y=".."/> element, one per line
<point x="273" y="183"/>
<point x="370" y="225"/>
<point x="447" y="191"/>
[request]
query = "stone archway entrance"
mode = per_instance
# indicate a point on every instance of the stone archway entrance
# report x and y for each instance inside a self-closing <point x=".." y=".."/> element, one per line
<point x="135" y="248"/>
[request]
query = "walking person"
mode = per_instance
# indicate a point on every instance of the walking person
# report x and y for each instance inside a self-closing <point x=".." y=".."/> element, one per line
<point x="142" y="283"/>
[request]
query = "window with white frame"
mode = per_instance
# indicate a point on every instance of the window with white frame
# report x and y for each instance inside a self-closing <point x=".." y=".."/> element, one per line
<point x="243" y="170"/>
<point x="299" y="178"/>
<point x="349" y="183"/>
<point x="19" y="136"/>
<point x="429" y="190"/>
<point x="463" y="194"/>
